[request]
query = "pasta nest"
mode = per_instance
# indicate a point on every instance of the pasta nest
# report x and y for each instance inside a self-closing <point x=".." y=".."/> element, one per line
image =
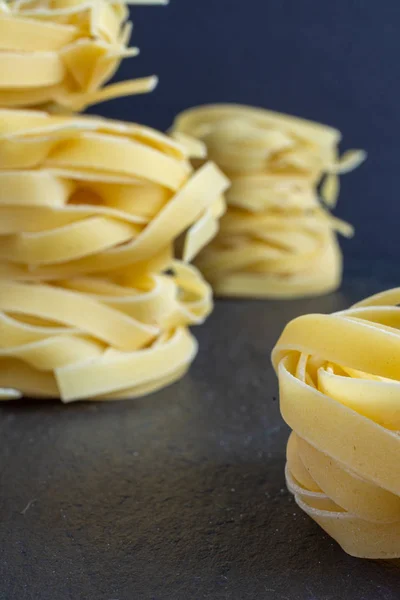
<point x="92" y="302"/>
<point x="339" y="386"/>
<point x="277" y="239"/>
<point x="59" y="54"/>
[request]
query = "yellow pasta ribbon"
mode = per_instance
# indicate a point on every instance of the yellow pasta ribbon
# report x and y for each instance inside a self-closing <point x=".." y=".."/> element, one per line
<point x="339" y="383"/>
<point x="276" y="240"/>
<point x="59" y="54"/>
<point x="92" y="303"/>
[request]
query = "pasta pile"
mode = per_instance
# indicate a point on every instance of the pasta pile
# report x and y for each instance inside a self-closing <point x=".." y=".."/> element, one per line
<point x="276" y="240"/>
<point x="57" y="54"/>
<point x="92" y="302"/>
<point x="339" y="380"/>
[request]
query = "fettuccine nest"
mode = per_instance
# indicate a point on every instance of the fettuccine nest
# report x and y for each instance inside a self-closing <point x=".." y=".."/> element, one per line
<point x="92" y="302"/>
<point x="277" y="239"/>
<point x="339" y="381"/>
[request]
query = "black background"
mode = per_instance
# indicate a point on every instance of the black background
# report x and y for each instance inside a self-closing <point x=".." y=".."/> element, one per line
<point x="331" y="61"/>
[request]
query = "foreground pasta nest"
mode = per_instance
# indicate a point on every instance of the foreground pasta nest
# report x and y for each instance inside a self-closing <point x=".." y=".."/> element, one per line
<point x="276" y="239"/>
<point x="60" y="53"/>
<point x="339" y="382"/>
<point x="92" y="302"/>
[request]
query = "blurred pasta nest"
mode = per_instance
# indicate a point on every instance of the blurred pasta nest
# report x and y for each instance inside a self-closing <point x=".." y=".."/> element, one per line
<point x="93" y="303"/>
<point x="339" y="383"/>
<point x="58" y="54"/>
<point x="277" y="239"/>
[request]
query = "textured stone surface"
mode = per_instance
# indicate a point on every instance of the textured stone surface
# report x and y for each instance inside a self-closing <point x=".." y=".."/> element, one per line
<point x="179" y="496"/>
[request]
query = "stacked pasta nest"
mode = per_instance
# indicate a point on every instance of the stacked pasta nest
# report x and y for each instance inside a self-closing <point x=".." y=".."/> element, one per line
<point x="339" y="386"/>
<point x="277" y="239"/>
<point x="93" y="303"/>
<point x="58" y="54"/>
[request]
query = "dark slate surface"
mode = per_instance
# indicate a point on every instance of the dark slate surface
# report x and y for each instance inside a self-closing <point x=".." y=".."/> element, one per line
<point x="179" y="496"/>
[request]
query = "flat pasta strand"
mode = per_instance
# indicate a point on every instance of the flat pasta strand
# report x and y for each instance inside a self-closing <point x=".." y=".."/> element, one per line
<point x="339" y="383"/>
<point x="276" y="240"/>
<point x="60" y="54"/>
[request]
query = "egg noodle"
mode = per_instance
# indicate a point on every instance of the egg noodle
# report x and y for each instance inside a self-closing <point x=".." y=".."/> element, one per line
<point x="339" y="381"/>
<point x="58" y="54"/>
<point x="92" y="302"/>
<point x="276" y="239"/>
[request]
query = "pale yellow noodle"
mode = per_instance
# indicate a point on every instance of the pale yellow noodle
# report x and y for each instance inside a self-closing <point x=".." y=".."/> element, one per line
<point x="339" y="380"/>
<point x="276" y="239"/>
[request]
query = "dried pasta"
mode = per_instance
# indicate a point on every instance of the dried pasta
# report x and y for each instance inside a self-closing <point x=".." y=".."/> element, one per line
<point x="59" y="54"/>
<point x="339" y="382"/>
<point x="92" y="302"/>
<point x="276" y="240"/>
